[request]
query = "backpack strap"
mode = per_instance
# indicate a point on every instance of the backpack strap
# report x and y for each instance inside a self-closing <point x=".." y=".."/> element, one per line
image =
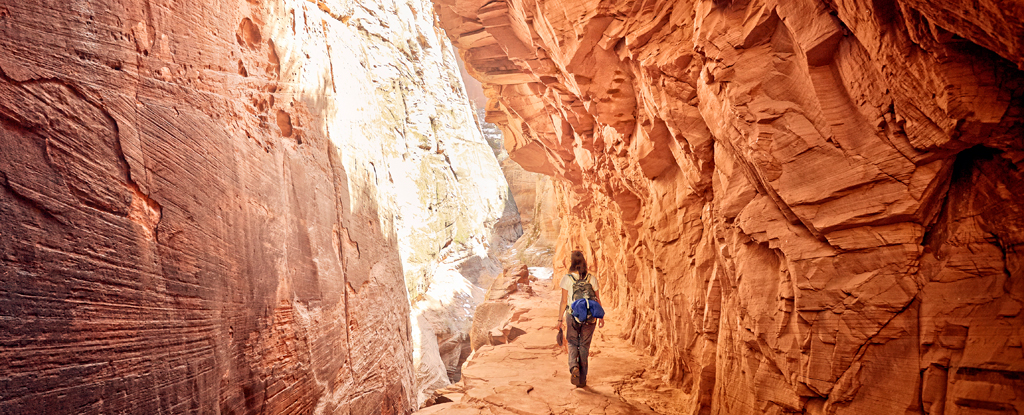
<point x="574" y="279"/>
<point x="568" y="304"/>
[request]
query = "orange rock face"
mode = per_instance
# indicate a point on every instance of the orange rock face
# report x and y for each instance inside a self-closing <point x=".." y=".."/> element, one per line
<point x="802" y="206"/>
<point x="197" y="207"/>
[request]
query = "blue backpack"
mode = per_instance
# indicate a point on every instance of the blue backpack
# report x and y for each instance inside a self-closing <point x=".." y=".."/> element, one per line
<point x="583" y="306"/>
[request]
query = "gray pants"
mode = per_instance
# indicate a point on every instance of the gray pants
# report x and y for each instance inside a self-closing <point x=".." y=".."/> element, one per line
<point x="578" y="335"/>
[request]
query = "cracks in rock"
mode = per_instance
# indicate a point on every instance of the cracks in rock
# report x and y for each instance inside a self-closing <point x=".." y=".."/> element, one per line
<point x="337" y="166"/>
<point x="960" y="173"/>
<point x="330" y="60"/>
<point x="628" y="383"/>
<point x="143" y="209"/>
<point x="32" y="203"/>
<point x="855" y="362"/>
<point x="133" y="190"/>
<point x="1007" y="284"/>
<point x="863" y="347"/>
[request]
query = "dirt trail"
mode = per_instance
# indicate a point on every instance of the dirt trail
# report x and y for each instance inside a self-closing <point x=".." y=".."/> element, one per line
<point x="530" y="374"/>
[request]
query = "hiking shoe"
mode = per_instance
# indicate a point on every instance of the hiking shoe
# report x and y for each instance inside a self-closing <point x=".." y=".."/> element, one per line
<point x="575" y="376"/>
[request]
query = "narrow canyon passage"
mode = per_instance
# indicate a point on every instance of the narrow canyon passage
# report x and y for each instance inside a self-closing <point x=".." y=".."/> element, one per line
<point x="529" y="375"/>
<point x="246" y="207"/>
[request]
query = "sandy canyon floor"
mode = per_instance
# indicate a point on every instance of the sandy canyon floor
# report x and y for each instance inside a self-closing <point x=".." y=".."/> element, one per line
<point x="529" y="375"/>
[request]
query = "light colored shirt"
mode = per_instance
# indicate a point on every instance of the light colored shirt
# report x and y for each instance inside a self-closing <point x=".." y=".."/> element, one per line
<point x="566" y="282"/>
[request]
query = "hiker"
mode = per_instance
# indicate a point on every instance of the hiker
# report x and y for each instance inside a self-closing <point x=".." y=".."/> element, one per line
<point x="580" y="308"/>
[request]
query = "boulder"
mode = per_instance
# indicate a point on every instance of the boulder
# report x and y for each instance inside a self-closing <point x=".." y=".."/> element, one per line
<point x="490" y="323"/>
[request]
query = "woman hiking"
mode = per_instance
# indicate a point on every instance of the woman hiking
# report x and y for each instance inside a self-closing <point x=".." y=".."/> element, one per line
<point x="579" y="284"/>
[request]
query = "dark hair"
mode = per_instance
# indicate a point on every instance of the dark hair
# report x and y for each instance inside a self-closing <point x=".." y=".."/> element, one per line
<point x="578" y="263"/>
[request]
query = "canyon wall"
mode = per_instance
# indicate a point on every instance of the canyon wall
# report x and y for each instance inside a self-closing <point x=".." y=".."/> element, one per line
<point x="535" y="200"/>
<point x="538" y="208"/>
<point x="798" y="207"/>
<point x="221" y="206"/>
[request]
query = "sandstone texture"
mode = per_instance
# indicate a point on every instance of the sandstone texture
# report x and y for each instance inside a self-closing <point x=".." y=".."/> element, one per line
<point x="798" y="206"/>
<point x="221" y="206"/>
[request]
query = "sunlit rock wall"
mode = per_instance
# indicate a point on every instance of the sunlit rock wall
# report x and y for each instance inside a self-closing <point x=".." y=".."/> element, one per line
<point x="799" y="206"/>
<point x="219" y="206"/>
<point x="456" y="216"/>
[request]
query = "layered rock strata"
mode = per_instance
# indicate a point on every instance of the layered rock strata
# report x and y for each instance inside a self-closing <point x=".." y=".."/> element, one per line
<point x="800" y="206"/>
<point x="220" y="206"/>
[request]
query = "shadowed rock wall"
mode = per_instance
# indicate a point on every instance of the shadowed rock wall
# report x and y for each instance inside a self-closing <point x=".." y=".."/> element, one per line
<point x="798" y="206"/>
<point x="201" y="202"/>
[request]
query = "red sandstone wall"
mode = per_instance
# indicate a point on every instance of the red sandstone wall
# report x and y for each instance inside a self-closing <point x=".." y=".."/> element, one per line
<point x="799" y="206"/>
<point x="178" y="234"/>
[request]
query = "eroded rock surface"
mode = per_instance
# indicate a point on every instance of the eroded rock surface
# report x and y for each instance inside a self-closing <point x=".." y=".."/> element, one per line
<point x="219" y="206"/>
<point x="800" y="206"/>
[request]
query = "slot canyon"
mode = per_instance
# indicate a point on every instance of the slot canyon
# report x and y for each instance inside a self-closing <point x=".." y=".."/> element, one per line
<point x="364" y="206"/>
